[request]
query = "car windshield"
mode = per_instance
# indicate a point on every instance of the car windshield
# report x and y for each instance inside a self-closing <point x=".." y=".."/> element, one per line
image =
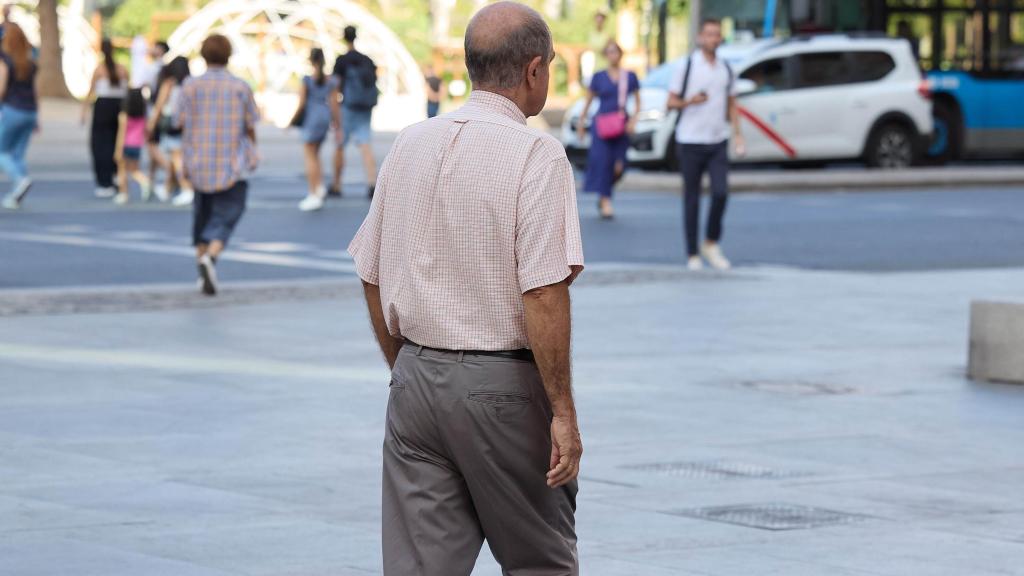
<point x="658" y="77"/>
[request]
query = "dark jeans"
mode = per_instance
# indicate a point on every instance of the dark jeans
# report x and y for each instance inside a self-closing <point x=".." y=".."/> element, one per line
<point x="103" y="139"/>
<point x="694" y="161"/>
<point x="215" y="214"/>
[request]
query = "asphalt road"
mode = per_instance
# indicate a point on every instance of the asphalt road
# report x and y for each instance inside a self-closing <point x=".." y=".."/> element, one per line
<point x="64" y="237"/>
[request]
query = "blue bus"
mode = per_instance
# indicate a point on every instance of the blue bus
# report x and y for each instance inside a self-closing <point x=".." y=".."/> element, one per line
<point x="972" y="52"/>
<point x="973" y="55"/>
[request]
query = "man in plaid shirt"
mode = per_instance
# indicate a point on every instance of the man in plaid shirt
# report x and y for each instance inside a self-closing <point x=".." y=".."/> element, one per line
<point x="218" y="116"/>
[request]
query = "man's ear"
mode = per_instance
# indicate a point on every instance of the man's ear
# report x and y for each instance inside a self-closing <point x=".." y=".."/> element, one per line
<point x="533" y="70"/>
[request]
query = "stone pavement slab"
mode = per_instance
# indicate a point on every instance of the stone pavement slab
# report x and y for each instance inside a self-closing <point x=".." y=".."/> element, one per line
<point x="244" y="437"/>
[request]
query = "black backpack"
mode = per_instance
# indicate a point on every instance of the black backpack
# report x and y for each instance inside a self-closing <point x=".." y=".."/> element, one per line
<point x="360" y="84"/>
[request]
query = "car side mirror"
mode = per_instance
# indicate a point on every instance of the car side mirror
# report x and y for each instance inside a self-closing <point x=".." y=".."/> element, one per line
<point x="745" y="86"/>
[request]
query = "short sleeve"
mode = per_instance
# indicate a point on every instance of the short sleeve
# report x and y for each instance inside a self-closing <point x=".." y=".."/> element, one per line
<point x="548" y="246"/>
<point x="732" y="81"/>
<point x="366" y="244"/>
<point x="593" y="83"/>
<point x="339" y="66"/>
<point x="634" y="82"/>
<point x="676" y="83"/>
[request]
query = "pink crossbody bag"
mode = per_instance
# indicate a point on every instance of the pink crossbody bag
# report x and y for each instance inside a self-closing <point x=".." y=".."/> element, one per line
<point x="611" y="125"/>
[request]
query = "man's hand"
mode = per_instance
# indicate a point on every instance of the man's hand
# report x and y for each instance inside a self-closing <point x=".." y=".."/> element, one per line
<point x="739" y="145"/>
<point x="566" y="451"/>
<point x="389" y="345"/>
<point x="698" y="99"/>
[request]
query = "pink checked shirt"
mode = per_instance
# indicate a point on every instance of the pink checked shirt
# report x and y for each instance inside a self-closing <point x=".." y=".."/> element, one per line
<point x="472" y="209"/>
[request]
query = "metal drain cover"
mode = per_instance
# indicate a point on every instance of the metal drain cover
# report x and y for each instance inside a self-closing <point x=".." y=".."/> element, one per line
<point x="715" y="469"/>
<point x="798" y="387"/>
<point x="771" y="516"/>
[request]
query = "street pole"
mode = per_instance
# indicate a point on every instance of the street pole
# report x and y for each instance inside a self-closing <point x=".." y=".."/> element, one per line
<point x="769" y="19"/>
<point x="695" y="16"/>
<point x="662" y="32"/>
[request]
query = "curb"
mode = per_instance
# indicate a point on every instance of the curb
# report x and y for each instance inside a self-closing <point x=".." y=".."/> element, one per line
<point x="741" y="180"/>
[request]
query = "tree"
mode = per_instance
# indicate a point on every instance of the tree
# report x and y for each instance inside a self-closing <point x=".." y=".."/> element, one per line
<point x="51" y="68"/>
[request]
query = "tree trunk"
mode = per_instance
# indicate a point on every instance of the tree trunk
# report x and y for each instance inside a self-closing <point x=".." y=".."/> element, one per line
<point x="51" y="71"/>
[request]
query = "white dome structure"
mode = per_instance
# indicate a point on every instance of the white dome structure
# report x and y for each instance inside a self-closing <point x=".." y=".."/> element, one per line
<point x="272" y="40"/>
<point x="77" y="36"/>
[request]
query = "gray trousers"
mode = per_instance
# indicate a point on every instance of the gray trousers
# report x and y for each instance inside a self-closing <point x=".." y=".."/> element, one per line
<point x="466" y="451"/>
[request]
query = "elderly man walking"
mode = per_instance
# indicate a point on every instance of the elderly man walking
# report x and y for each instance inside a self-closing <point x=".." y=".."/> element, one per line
<point x="466" y="257"/>
<point x="217" y="113"/>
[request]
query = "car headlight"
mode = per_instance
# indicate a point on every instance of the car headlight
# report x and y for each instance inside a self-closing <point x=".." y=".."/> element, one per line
<point x="652" y="115"/>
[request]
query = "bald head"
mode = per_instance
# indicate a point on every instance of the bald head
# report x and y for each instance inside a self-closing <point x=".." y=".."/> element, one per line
<point x="501" y="40"/>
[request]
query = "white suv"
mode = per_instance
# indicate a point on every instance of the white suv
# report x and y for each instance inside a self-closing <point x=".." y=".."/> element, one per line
<point x="807" y="100"/>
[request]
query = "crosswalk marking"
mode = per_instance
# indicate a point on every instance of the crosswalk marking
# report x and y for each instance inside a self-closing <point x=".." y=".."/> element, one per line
<point x="249" y="257"/>
<point x="261" y="367"/>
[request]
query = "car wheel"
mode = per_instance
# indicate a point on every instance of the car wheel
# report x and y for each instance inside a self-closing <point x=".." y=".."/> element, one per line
<point x="945" y="143"/>
<point x="890" y="146"/>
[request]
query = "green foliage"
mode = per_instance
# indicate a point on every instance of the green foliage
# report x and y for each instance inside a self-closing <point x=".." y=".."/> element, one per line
<point x="410" y="21"/>
<point x="133" y="16"/>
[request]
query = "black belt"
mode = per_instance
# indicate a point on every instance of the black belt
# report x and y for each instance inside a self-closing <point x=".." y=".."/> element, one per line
<point x="521" y="354"/>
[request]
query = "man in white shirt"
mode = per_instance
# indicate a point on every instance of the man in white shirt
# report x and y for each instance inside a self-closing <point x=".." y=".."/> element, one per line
<point x="703" y="91"/>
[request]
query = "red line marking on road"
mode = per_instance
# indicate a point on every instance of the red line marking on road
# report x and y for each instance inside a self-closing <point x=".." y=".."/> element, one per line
<point x="768" y="131"/>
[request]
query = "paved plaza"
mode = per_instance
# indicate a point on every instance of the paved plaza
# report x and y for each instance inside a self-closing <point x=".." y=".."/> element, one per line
<point x="805" y="414"/>
<point x="828" y="411"/>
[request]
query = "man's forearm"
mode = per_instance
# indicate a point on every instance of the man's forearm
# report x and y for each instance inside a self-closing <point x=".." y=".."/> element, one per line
<point x="549" y="327"/>
<point x="734" y="117"/>
<point x="676" y="102"/>
<point x="389" y="345"/>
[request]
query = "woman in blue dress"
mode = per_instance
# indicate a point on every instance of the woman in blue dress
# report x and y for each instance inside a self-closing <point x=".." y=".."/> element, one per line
<point x="606" y="160"/>
<point x="320" y="111"/>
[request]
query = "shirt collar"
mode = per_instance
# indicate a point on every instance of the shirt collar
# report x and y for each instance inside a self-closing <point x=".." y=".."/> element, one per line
<point x="497" y="103"/>
<point x="699" y="54"/>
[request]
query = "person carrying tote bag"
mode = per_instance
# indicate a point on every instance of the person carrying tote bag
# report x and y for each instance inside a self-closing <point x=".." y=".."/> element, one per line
<point x="612" y="125"/>
<point x="606" y="158"/>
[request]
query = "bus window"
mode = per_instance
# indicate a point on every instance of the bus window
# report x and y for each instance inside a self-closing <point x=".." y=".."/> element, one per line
<point x="1007" y="42"/>
<point x="916" y="29"/>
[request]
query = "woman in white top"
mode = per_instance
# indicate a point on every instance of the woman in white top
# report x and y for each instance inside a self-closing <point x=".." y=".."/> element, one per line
<point x="107" y="90"/>
<point x="164" y="119"/>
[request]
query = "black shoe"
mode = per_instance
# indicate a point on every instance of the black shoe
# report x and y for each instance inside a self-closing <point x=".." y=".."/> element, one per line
<point x="207" y="276"/>
<point x="334" y="192"/>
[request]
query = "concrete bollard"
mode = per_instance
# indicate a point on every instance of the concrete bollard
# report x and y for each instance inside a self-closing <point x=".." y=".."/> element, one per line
<point x="996" y="351"/>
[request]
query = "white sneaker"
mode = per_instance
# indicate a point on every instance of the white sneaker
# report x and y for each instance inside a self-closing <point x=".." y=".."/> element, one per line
<point x="10" y="202"/>
<point x="713" y="254"/>
<point x="207" y="276"/>
<point x="184" y="198"/>
<point x="160" y="191"/>
<point x="311" y="203"/>
<point x="147" y="192"/>
<point x="121" y="199"/>
<point x="694" y="264"/>
<point x="19" y="192"/>
<point x="105" y="192"/>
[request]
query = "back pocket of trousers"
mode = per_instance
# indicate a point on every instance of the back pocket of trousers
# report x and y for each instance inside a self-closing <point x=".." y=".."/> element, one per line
<point x="499" y="398"/>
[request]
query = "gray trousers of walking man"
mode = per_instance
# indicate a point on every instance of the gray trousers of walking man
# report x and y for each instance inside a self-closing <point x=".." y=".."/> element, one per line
<point x="466" y="450"/>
